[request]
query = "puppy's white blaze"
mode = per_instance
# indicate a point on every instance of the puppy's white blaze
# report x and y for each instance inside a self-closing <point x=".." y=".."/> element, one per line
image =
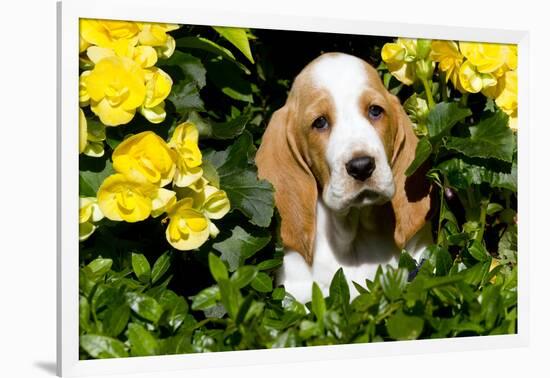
<point x="344" y="77"/>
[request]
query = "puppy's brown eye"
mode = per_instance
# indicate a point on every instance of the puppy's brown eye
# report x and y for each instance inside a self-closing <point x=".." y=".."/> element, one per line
<point x="320" y="123"/>
<point x="375" y="112"/>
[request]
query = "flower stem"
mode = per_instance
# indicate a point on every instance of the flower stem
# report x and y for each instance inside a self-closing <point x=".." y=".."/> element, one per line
<point x="428" y="88"/>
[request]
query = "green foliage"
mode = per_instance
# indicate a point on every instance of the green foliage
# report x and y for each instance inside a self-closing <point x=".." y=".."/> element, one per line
<point x="139" y="296"/>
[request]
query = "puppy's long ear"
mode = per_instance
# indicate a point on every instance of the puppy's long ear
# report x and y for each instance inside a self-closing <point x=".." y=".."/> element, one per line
<point x="280" y="161"/>
<point x="412" y="200"/>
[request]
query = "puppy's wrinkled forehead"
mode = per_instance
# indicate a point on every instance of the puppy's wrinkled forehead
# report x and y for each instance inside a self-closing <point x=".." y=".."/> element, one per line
<point x="343" y="76"/>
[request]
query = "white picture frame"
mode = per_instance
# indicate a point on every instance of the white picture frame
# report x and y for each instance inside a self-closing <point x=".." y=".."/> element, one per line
<point x="68" y="363"/>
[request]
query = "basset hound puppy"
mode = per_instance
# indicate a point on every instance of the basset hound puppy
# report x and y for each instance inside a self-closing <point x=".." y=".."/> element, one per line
<point x="336" y="154"/>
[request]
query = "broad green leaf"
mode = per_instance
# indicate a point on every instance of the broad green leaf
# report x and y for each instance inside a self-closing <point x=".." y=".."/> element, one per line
<point x="145" y="306"/>
<point x="244" y="275"/>
<point x="92" y="173"/>
<point x="262" y="283"/>
<point x="141" y="267"/>
<point x="318" y="305"/>
<point x="142" y="343"/>
<point x="210" y="173"/>
<point x="102" y="346"/>
<point x="404" y="327"/>
<point x="190" y="66"/>
<point x="490" y="138"/>
<point x="423" y="151"/>
<point x="238" y="37"/>
<point x="185" y="96"/>
<point x="115" y="319"/>
<point x="443" y="117"/>
<point x="253" y="197"/>
<point x="508" y="245"/>
<point x="210" y="47"/>
<point x="462" y="174"/>
<point x="97" y="269"/>
<point x="206" y="298"/>
<point x="160" y="267"/>
<point x="217" y="267"/>
<point x="240" y="246"/>
<point x="219" y="130"/>
<point x="230" y="80"/>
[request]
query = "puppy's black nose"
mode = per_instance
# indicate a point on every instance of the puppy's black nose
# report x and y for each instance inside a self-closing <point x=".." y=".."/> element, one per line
<point x="360" y="168"/>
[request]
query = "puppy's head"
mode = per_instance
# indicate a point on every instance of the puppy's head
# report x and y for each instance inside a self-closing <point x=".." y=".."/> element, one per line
<point x="342" y="135"/>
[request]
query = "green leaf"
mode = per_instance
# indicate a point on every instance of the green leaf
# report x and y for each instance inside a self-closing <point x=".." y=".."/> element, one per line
<point x="160" y="267"/>
<point x="244" y="275"/>
<point x="92" y="173"/>
<point x="406" y="262"/>
<point x="423" y="151"/>
<point x="230" y="296"/>
<point x="253" y="197"/>
<point x="478" y="251"/>
<point x="404" y="327"/>
<point x="217" y="267"/>
<point x="206" y="298"/>
<point x="102" y="346"/>
<point x="142" y="343"/>
<point x="115" y="319"/>
<point x="229" y="80"/>
<point x="393" y="282"/>
<point x="185" y="96"/>
<point x="219" y="130"/>
<point x="240" y="246"/>
<point x="462" y="174"/>
<point x="239" y="39"/>
<point x="490" y="138"/>
<point x="141" y="267"/>
<point x="443" y="117"/>
<point x="210" y="47"/>
<point x="439" y="258"/>
<point x="97" y="269"/>
<point x="270" y="264"/>
<point x="339" y="289"/>
<point x="144" y="306"/>
<point x="190" y="66"/>
<point x="318" y="305"/>
<point x="176" y="308"/>
<point x="262" y="283"/>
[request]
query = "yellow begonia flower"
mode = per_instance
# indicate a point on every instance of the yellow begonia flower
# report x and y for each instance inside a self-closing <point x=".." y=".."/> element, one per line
<point x="83" y="96"/>
<point x="106" y="33"/>
<point x="148" y="154"/>
<point x="155" y="35"/>
<point x="490" y="58"/>
<point x="507" y="100"/>
<point x="158" y="87"/>
<point x="144" y="56"/>
<point x="82" y="131"/>
<point x="116" y="88"/>
<point x="188" y="228"/>
<point x="189" y="158"/>
<point x="130" y="198"/>
<point x="89" y="213"/>
<point x="447" y="54"/>
<point x="399" y="58"/>
<point x="474" y="81"/>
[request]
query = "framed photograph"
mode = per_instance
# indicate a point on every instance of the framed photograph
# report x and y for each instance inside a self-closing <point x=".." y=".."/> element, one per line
<point x="253" y="187"/>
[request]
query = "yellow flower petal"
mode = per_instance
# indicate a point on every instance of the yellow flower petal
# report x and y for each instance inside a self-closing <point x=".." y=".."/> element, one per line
<point x="123" y="198"/>
<point x="188" y="228"/>
<point x="83" y="131"/>
<point x="147" y="154"/>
